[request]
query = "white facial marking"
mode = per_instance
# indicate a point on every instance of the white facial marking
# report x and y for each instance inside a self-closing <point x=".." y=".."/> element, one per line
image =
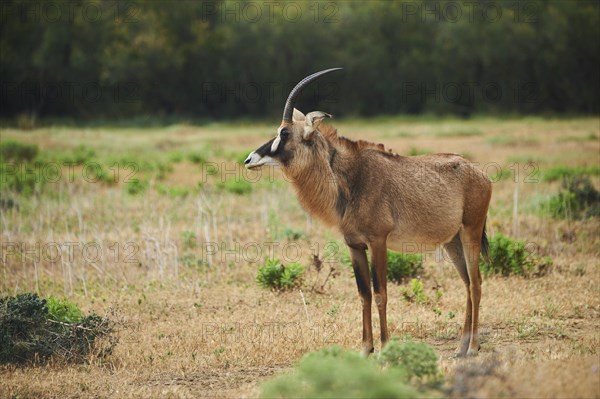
<point x="254" y="161"/>
<point x="276" y="141"/>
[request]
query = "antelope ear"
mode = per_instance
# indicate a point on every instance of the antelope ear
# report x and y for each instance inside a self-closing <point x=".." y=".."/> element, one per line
<point x="298" y="116"/>
<point x="313" y="120"/>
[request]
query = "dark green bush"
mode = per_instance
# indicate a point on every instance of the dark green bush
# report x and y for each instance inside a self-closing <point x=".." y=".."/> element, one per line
<point x="274" y="275"/>
<point x="18" y="172"/>
<point x="511" y="257"/>
<point x="578" y="199"/>
<point x="33" y="329"/>
<point x="335" y="373"/>
<point x="403" y="266"/>
<point x="14" y="151"/>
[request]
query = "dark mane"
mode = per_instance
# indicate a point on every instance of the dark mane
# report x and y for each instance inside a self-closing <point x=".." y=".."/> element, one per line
<point x="330" y="133"/>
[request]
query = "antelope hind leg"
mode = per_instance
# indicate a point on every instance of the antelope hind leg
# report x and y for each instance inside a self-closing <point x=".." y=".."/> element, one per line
<point x="454" y="249"/>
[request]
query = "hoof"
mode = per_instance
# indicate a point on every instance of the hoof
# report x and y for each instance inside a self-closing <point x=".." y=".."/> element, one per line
<point x="366" y="351"/>
<point x="461" y="351"/>
<point x="473" y="352"/>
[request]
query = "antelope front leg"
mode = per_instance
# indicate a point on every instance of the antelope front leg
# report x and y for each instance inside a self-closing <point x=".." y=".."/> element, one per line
<point x="379" y="270"/>
<point x="361" y="273"/>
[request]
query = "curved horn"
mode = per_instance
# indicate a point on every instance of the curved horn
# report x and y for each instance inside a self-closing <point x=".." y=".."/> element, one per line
<point x="291" y="100"/>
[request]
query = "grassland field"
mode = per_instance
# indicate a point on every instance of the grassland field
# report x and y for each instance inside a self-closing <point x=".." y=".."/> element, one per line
<point x="163" y="227"/>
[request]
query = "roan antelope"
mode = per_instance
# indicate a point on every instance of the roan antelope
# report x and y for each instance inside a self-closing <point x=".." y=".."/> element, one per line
<point x="381" y="200"/>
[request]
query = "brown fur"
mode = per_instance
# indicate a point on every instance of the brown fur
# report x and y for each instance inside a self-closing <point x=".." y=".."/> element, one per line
<point x="379" y="200"/>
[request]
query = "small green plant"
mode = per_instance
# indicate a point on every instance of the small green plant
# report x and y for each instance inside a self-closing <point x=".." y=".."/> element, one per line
<point x="80" y="155"/>
<point x="17" y="152"/>
<point x="511" y="257"/>
<point x="403" y="266"/>
<point x="23" y="180"/>
<point x="175" y="157"/>
<point x="219" y="351"/>
<point x="173" y="191"/>
<point x="415" y="359"/>
<point x="274" y="275"/>
<point x="189" y="239"/>
<point x="335" y="309"/>
<point x="335" y="373"/>
<point x="400" y="266"/>
<point x="578" y="199"/>
<point x="198" y="157"/>
<point x="237" y="186"/>
<point x="63" y="310"/>
<point x="136" y="186"/>
<point x="292" y="234"/>
<point x="415" y="292"/>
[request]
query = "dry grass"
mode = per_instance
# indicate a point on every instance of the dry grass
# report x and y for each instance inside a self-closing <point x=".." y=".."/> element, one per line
<point x="206" y="329"/>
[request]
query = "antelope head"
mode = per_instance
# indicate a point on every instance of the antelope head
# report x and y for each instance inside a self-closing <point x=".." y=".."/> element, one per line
<point x="297" y="139"/>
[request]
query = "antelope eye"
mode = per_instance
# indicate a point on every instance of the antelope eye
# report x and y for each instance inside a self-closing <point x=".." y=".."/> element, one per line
<point x="284" y="134"/>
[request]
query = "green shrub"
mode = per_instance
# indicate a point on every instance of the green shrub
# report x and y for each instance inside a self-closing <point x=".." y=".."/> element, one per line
<point x="334" y="373"/>
<point x="63" y="310"/>
<point x="82" y="154"/>
<point x="235" y="186"/>
<point x="33" y="329"/>
<point x="415" y="292"/>
<point x="136" y="186"/>
<point x="506" y="257"/>
<point x="293" y="234"/>
<point x="415" y="359"/>
<point x="403" y="266"/>
<point x="511" y="257"/>
<point x="20" y="179"/>
<point x="274" y="275"/>
<point x="175" y="157"/>
<point x="578" y="199"/>
<point x="198" y="157"/>
<point x="566" y="172"/>
<point x="400" y="266"/>
<point x="14" y="151"/>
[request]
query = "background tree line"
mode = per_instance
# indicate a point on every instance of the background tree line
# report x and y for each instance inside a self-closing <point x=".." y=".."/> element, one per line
<point x="227" y="59"/>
